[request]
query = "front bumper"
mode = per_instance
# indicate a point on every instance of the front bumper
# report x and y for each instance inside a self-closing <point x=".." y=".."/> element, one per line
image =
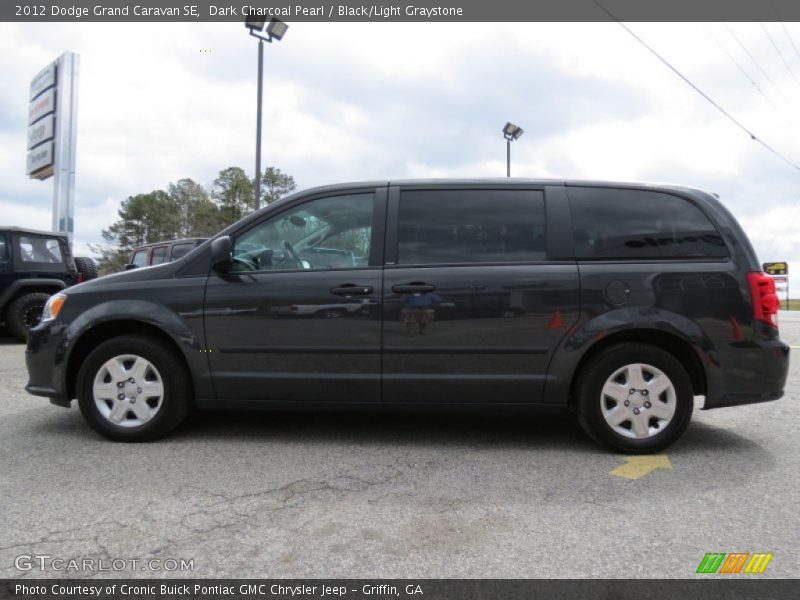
<point x="45" y="359"/>
<point x="750" y="372"/>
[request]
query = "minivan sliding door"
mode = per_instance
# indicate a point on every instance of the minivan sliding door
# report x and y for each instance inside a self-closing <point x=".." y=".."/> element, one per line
<point x="475" y="300"/>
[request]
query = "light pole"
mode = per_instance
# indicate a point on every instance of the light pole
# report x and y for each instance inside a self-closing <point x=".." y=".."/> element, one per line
<point x="511" y="132"/>
<point x="275" y="30"/>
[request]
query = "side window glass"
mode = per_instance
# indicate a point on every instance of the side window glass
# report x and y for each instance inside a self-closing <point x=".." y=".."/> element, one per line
<point x="35" y="249"/>
<point x="326" y="233"/>
<point x="140" y="258"/>
<point x="3" y="249"/>
<point x="159" y="255"/>
<point x="640" y="224"/>
<point x="181" y="250"/>
<point x="471" y="226"/>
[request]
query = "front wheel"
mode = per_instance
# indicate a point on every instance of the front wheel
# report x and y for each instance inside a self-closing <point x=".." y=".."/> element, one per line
<point x="133" y="389"/>
<point x="634" y="398"/>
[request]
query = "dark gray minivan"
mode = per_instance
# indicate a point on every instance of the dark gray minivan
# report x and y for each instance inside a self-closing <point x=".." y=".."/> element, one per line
<point x="620" y="302"/>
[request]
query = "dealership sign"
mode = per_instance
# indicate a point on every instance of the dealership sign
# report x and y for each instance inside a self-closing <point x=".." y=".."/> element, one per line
<point x="41" y="158"/>
<point x="52" y="133"/>
<point x="779" y="271"/>
<point x="42" y="105"/>
<point x="41" y="131"/>
<point x="46" y="78"/>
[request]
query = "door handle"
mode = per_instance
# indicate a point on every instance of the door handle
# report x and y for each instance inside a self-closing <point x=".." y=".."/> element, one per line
<point x="351" y="289"/>
<point x="414" y="287"/>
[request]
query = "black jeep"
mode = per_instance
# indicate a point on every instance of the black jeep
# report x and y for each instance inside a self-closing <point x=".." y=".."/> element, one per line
<point x="33" y="266"/>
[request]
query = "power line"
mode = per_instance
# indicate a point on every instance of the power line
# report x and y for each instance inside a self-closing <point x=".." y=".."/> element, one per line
<point x="778" y="52"/>
<point x="785" y="30"/>
<point x="789" y="37"/>
<point x="741" y="68"/>
<point x="730" y="117"/>
<point x="755" y="62"/>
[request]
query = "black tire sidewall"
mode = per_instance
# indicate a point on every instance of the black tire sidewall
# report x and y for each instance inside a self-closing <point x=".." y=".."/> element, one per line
<point x="173" y="375"/>
<point x="15" y="316"/>
<point x="600" y="369"/>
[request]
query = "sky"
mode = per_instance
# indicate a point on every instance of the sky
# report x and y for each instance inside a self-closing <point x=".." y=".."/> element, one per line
<point x="363" y="101"/>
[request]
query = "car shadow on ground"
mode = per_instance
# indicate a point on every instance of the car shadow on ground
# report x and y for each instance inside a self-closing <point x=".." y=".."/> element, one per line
<point x="396" y="426"/>
<point x="712" y="450"/>
<point x="408" y="427"/>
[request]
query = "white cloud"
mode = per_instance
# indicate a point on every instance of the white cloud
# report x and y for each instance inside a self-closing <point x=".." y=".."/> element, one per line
<point x="388" y="100"/>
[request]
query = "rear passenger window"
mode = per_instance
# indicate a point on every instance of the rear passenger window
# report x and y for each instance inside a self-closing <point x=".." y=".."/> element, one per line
<point x="636" y="224"/>
<point x="3" y="249"/>
<point x="159" y="255"/>
<point x="470" y="226"/>
<point x="181" y="250"/>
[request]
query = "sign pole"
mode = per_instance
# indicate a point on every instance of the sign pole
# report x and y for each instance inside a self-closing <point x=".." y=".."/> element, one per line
<point x="65" y="145"/>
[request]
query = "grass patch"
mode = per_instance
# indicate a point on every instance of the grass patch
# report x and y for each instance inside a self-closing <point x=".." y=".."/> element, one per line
<point x="793" y="304"/>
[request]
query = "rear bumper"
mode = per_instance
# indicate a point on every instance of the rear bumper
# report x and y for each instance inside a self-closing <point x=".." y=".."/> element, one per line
<point x="750" y="372"/>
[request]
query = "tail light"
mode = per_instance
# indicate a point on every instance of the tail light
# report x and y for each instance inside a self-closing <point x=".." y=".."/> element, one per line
<point x="765" y="300"/>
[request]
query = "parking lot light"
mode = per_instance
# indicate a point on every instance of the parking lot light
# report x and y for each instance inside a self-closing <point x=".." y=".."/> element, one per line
<point x="275" y="30"/>
<point x="511" y="132"/>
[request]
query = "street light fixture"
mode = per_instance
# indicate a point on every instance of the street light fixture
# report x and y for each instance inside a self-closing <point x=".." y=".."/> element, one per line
<point x="276" y="29"/>
<point x="511" y="132"/>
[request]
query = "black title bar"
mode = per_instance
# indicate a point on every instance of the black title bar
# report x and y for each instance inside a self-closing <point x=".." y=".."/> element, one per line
<point x="732" y="588"/>
<point x="400" y="10"/>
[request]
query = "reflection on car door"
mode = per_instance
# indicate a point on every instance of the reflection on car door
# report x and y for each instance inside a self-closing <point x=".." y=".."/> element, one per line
<point x="299" y="318"/>
<point x="475" y="298"/>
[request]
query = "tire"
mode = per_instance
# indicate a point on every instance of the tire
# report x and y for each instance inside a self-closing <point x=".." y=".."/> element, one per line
<point x="605" y="384"/>
<point x="86" y="267"/>
<point x="138" y="417"/>
<point x="25" y="312"/>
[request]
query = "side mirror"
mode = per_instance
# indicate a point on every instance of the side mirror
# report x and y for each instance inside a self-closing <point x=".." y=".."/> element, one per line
<point x="130" y="266"/>
<point x="222" y="254"/>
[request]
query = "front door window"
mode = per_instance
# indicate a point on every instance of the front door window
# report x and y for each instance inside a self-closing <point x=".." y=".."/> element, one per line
<point x="323" y="234"/>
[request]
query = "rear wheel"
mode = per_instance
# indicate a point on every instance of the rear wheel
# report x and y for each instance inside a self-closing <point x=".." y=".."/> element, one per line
<point x="634" y="398"/>
<point x="134" y="389"/>
<point x="25" y="312"/>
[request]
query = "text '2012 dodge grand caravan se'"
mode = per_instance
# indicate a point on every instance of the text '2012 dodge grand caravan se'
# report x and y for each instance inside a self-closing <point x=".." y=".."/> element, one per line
<point x="619" y="301"/>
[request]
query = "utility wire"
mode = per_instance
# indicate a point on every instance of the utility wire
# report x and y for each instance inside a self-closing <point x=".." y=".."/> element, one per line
<point x="711" y="101"/>
<point x="785" y="30"/>
<point x="741" y="68"/>
<point x="778" y="52"/>
<point x="789" y="37"/>
<point x="755" y="62"/>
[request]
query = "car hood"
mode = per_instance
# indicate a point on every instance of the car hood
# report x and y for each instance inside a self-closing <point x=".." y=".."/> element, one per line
<point x="156" y="272"/>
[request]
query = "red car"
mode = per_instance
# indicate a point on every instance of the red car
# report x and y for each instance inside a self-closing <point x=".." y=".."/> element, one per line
<point x="162" y="252"/>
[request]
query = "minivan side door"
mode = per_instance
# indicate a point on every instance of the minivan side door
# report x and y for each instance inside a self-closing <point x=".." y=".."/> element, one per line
<point x="479" y="290"/>
<point x="298" y="316"/>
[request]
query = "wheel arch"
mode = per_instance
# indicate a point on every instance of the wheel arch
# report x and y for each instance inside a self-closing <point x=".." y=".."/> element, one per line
<point x="29" y="286"/>
<point x="680" y="348"/>
<point x="106" y="330"/>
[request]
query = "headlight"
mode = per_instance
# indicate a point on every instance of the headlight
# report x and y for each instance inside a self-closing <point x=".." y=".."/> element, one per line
<point x="53" y="306"/>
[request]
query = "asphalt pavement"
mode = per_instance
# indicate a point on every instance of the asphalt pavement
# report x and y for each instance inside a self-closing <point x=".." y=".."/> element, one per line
<point x="279" y="494"/>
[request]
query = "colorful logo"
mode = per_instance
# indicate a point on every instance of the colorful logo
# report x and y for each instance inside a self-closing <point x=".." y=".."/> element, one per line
<point x="734" y="562"/>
